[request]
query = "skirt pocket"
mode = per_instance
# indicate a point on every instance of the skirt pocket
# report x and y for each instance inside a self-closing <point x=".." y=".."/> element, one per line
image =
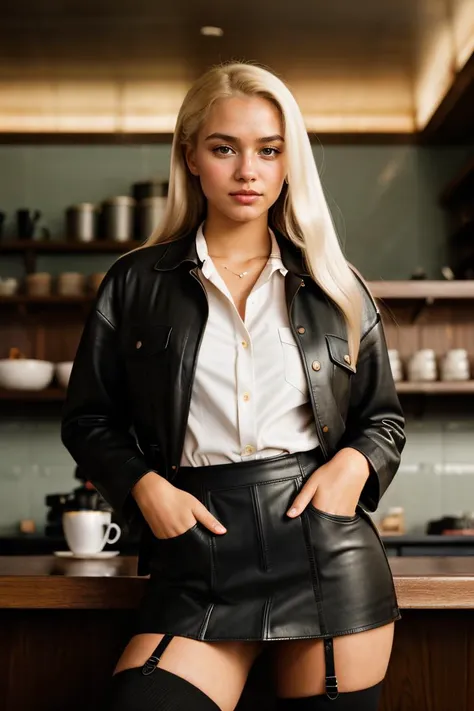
<point x="184" y="558"/>
<point x="354" y="576"/>
<point x="333" y="517"/>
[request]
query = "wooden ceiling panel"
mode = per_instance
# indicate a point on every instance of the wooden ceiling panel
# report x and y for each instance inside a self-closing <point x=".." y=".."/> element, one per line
<point x="352" y="63"/>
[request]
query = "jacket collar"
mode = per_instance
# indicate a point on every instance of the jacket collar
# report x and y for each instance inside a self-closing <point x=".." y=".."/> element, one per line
<point x="183" y="250"/>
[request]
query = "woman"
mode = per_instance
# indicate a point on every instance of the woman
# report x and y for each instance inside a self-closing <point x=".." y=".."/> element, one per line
<point x="251" y="362"/>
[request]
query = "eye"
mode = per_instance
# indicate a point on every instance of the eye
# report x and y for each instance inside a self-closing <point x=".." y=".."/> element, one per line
<point x="222" y="150"/>
<point x="273" y="152"/>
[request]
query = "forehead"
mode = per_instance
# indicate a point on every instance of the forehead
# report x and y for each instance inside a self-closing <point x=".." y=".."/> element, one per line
<point x="243" y="116"/>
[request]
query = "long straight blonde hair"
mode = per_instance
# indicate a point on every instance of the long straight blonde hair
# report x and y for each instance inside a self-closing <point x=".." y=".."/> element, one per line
<point x="300" y="213"/>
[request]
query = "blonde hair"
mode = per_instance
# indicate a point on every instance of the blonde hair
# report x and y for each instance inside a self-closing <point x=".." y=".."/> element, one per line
<point x="300" y="213"/>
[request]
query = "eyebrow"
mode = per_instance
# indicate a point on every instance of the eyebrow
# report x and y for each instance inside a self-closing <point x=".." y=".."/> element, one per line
<point x="234" y="139"/>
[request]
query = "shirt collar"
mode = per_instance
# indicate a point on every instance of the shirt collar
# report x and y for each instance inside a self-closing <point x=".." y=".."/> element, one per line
<point x="273" y="264"/>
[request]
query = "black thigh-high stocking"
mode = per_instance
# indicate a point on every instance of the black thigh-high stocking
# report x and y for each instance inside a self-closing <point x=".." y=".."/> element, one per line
<point x="150" y="688"/>
<point x="130" y="690"/>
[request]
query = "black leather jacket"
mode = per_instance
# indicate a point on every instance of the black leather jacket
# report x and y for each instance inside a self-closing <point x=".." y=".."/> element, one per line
<point x="128" y="398"/>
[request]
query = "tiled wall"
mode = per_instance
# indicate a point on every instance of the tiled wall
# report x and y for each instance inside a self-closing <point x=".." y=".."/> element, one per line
<point x="384" y="203"/>
<point x="436" y="476"/>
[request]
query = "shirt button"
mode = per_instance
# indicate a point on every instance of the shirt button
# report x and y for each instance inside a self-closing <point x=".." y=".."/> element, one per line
<point x="316" y="365"/>
<point x="347" y="358"/>
<point x="302" y="283"/>
<point x="244" y="344"/>
<point x="249" y="449"/>
<point x="301" y="329"/>
<point x="138" y="344"/>
<point x="246" y="396"/>
<point x="325" y="428"/>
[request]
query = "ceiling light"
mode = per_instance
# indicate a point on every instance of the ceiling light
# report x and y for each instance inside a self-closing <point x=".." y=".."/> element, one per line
<point x="210" y="31"/>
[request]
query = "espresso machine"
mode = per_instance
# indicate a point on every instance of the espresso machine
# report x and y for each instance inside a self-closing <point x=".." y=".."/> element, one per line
<point x="84" y="497"/>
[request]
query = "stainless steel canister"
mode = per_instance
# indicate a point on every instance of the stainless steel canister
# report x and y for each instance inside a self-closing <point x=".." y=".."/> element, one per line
<point x="150" y="212"/>
<point x="117" y="218"/>
<point x="82" y="222"/>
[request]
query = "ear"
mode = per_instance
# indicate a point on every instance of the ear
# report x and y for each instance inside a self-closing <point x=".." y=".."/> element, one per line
<point x="189" y="155"/>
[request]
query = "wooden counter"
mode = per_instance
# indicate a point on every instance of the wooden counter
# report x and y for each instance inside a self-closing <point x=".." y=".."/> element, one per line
<point x="39" y="582"/>
<point x="65" y="622"/>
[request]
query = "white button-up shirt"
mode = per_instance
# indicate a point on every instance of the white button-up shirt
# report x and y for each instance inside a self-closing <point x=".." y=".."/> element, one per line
<point x="250" y="399"/>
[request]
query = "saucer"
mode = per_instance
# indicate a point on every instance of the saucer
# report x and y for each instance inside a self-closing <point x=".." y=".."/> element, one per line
<point x="102" y="555"/>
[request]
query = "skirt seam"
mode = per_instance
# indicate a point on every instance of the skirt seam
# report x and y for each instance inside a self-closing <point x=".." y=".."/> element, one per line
<point x="266" y="617"/>
<point x="314" y="574"/>
<point x="263" y="551"/>
<point x="313" y="566"/>
<point x="205" y="622"/>
<point x="206" y="497"/>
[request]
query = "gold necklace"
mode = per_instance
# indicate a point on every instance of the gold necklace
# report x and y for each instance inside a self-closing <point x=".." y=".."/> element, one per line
<point x="242" y="274"/>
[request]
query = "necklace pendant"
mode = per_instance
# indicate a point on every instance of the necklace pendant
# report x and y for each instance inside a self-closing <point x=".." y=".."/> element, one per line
<point x="242" y="274"/>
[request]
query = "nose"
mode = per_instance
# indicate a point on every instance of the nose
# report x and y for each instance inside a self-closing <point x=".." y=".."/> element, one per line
<point x="246" y="170"/>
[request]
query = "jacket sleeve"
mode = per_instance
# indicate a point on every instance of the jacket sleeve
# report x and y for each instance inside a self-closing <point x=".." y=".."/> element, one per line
<point x="96" y="421"/>
<point x="375" y="422"/>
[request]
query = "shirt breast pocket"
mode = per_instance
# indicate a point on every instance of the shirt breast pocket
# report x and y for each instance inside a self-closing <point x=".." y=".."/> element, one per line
<point x="292" y="365"/>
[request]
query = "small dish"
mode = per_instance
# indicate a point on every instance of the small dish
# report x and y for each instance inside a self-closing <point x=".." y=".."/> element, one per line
<point x="102" y="555"/>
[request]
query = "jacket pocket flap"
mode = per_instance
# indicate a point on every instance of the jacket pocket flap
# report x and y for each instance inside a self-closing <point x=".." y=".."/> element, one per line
<point x="339" y="351"/>
<point x="147" y="340"/>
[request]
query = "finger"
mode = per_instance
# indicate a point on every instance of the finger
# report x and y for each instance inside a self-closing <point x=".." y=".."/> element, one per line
<point x="302" y="500"/>
<point x="207" y="519"/>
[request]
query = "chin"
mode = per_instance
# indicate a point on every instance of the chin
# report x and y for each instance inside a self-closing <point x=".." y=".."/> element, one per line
<point x="243" y="213"/>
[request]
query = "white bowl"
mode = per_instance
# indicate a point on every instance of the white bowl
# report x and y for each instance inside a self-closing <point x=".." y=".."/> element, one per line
<point x="25" y="373"/>
<point x="8" y="286"/>
<point x="63" y="372"/>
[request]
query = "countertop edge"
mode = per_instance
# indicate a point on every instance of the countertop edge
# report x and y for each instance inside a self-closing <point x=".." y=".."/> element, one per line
<point x="125" y="592"/>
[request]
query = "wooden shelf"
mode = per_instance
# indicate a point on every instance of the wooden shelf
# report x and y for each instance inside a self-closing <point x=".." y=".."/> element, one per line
<point x="423" y="289"/>
<point x="51" y="394"/>
<point x="53" y="299"/>
<point x="438" y="387"/>
<point x="64" y="247"/>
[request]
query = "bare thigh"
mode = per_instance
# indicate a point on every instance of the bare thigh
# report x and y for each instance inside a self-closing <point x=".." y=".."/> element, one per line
<point x="219" y="669"/>
<point x="361" y="661"/>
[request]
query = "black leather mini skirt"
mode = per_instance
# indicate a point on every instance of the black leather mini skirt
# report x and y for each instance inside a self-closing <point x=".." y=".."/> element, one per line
<point x="269" y="577"/>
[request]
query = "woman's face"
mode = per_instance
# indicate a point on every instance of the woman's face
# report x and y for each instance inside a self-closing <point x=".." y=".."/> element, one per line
<point x="240" y="148"/>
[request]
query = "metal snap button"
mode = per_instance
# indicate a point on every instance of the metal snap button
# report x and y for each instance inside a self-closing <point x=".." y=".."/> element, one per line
<point x="138" y="344"/>
<point x="316" y="365"/>
<point x="301" y="329"/>
<point x="347" y="358"/>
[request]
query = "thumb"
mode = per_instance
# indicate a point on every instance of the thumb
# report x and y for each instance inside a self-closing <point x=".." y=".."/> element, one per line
<point x="303" y="499"/>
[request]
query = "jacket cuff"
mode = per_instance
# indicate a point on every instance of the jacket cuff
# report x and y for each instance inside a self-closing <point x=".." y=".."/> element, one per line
<point x="378" y="479"/>
<point x="119" y="495"/>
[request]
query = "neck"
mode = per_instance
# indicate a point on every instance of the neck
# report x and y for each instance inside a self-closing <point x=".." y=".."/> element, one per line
<point x="237" y="241"/>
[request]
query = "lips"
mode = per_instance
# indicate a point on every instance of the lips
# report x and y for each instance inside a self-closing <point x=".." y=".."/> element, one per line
<point x="246" y="192"/>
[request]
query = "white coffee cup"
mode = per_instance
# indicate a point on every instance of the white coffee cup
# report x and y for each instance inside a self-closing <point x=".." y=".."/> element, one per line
<point x="84" y="531"/>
